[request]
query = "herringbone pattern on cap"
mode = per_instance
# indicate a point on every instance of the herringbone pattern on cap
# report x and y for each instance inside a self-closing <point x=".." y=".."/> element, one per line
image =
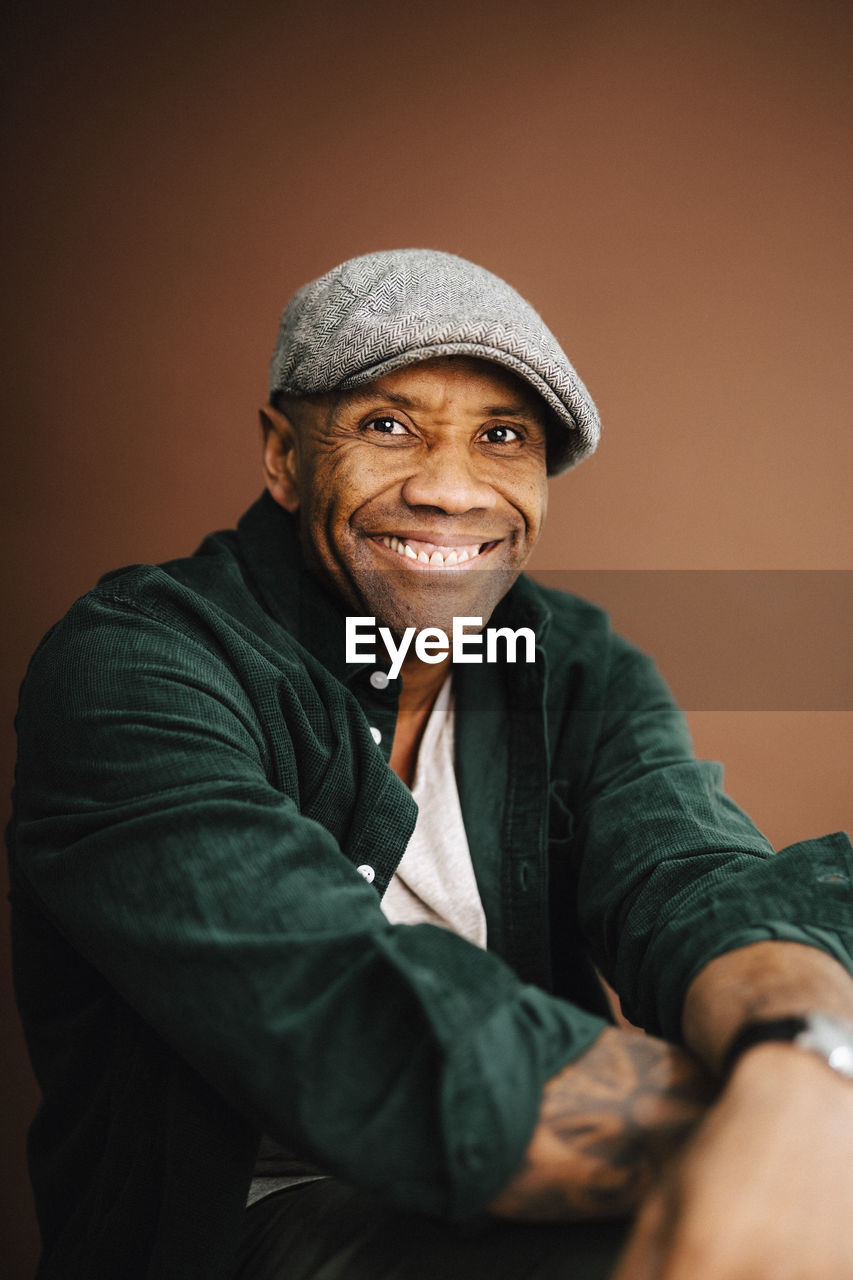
<point x="384" y="311"/>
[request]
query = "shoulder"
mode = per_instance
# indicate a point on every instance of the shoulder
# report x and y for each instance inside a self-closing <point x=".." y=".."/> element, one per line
<point x="568" y="615"/>
<point x="131" y="611"/>
<point x="194" y="621"/>
<point x="575" y="628"/>
<point x="197" y="598"/>
<point x="592" y="669"/>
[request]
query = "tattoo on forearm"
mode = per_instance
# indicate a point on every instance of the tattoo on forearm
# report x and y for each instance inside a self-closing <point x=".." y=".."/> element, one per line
<point x="608" y="1124"/>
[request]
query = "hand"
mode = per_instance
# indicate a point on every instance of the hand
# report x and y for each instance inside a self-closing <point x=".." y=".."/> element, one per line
<point x="764" y="1189"/>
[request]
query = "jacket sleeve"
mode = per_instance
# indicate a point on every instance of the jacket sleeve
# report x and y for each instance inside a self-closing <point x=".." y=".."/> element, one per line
<point x="671" y="872"/>
<point x="151" y="834"/>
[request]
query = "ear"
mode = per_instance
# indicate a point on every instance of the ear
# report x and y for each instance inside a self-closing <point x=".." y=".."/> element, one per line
<point x="281" y="457"/>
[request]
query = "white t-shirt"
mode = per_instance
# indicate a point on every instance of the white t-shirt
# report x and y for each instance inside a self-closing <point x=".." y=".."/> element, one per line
<point x="434" y="883"/>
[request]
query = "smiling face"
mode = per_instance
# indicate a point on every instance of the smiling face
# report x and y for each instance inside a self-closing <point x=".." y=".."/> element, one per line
<point x="419" y="496"/>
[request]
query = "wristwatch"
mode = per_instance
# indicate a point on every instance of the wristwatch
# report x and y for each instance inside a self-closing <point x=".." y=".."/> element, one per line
<point x="828" y="1037"/>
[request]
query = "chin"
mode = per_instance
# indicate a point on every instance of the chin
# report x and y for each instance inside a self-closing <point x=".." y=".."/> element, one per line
<point x="398" y="602"/>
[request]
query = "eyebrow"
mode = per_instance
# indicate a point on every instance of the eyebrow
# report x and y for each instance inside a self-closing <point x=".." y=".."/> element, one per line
<point x="407" y="402"/>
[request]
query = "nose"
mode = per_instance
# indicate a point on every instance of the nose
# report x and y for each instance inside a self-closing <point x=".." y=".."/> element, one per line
<point x="447" y="478"/>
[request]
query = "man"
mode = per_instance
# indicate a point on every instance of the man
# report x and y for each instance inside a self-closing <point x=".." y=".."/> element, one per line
<point x="306" y="910"/>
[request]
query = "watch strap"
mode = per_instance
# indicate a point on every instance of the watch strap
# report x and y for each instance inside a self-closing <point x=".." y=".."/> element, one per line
<point x="784" y="1029"/>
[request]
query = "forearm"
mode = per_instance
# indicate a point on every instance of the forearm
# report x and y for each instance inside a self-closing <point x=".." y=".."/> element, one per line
<point x="613" y="1119"/>
<point x="761" y="1190"/>
<point x="761" y="981"/>
<point x="609" y="1123"/>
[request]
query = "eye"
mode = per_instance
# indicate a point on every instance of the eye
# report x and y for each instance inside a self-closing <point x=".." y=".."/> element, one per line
<point x="386" y="426"/>
<point x="502" y="434"/>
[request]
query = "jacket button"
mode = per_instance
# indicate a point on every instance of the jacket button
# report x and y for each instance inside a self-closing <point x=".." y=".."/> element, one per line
<point x="368" y="872"/>
<point x="376" y="734"/>
<point x="379" y="679"/>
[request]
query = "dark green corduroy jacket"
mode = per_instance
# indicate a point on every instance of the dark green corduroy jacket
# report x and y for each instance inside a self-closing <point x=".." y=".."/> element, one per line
<point x="199" y="959"/>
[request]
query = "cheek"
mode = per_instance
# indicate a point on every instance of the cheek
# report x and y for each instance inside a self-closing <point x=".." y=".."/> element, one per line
<point x="543" y="501"/>
<point x="327" y="489"/>
<point x="339" y="488"/>
<point x="354" y="482"/>
<point x="532" y="501"/>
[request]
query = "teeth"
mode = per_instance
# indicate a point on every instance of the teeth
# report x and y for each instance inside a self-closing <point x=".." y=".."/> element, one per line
<point x="437" y="560"/>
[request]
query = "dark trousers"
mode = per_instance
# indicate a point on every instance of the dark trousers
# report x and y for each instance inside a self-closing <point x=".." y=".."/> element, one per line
<point x="327" y="1231"/>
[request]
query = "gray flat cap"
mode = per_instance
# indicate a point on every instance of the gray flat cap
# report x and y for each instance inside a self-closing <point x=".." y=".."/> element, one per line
<point x="384" y="311"/>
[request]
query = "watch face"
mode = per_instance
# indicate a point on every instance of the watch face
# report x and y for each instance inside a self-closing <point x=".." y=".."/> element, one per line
<point x="832" y="1039"/>
<point x="841" y="1059"/>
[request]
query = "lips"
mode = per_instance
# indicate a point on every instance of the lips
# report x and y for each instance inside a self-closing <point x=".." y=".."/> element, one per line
<point x="434" y="554"/>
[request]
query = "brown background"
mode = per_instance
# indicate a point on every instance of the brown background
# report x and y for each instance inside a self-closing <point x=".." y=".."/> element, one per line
<point x="670" y="184"/>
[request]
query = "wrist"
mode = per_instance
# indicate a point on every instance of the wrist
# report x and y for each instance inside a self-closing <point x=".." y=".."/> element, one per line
<point x="778" y="1084"/>
<point x="761" y="980"/>
<point x="821" y="1036"/>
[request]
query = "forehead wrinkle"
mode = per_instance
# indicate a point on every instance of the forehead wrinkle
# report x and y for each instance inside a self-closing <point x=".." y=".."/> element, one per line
<point x="377" y="391"/>
<point x="511" y="411"/>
